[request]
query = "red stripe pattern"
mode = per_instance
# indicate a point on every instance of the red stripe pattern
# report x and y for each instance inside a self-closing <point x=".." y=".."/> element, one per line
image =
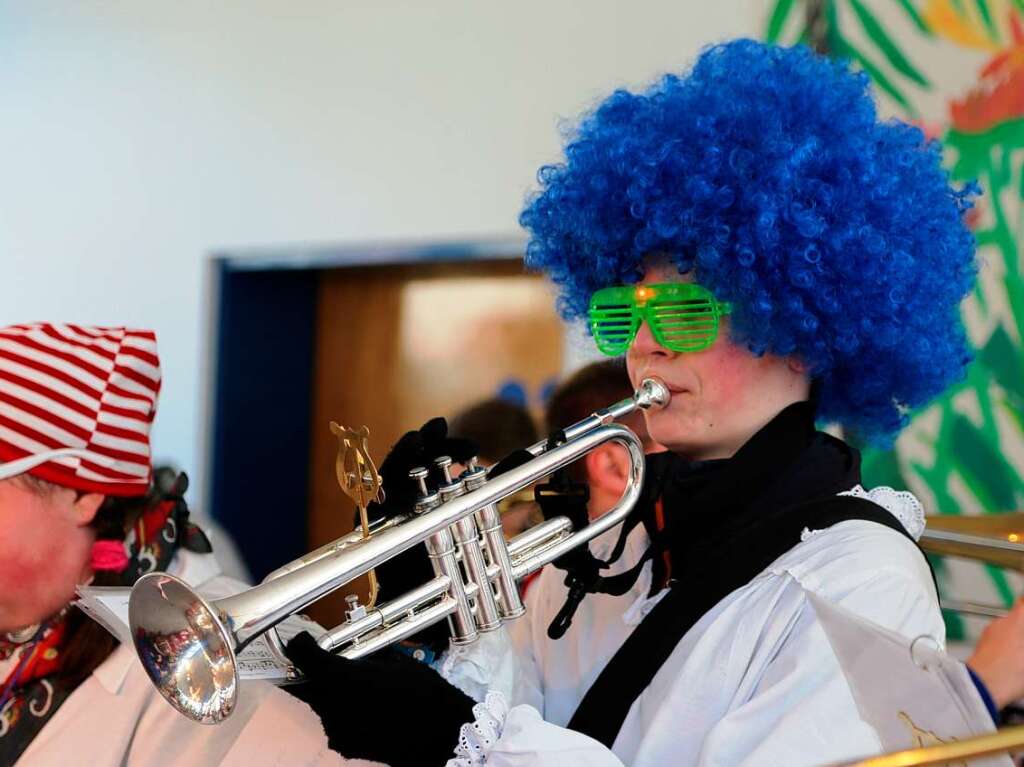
<point x="91" y="389"/>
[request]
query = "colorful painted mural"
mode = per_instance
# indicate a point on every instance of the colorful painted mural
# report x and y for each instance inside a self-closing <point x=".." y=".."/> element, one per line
<point x="956" y="67"/>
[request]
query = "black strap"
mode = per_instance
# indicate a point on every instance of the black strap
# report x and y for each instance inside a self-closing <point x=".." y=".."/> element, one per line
<point x="604" y="708"/>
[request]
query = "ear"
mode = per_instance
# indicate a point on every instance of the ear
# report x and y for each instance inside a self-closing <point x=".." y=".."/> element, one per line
<point x="86" y="506"/>
<point x="797" y="365"/>
<point x="608" y="468"/>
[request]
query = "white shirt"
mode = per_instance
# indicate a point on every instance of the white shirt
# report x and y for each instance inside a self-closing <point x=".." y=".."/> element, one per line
<point x="116" y="718"/>
<point x="753" y="682"/>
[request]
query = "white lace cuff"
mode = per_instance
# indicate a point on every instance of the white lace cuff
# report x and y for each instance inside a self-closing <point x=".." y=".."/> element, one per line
<point x="477" y="737"/>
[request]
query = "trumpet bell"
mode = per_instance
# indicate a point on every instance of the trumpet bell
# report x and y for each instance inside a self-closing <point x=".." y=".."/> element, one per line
<point x="184" y="647"/>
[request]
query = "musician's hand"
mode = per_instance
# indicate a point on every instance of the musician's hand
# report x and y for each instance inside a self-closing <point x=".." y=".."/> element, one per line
<point x="388" y="708"/>
<point x="999" y="657"/>
<point x="417" y="448"/>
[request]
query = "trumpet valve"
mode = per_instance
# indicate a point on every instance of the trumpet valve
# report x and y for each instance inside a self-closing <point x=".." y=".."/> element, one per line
<point x="444" y="465"/>
<point x="452" y="488"/>
<point x="355" y="610"/>
<point x="426" y="500"/>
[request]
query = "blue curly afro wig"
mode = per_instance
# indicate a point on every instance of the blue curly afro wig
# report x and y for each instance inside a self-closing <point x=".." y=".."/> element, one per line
<point x="765" y="170"/>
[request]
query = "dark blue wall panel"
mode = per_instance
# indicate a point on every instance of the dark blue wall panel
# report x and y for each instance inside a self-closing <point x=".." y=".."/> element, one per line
<point x="261" y="413"/>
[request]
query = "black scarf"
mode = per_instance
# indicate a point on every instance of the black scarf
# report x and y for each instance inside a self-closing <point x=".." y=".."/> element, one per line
<point x="725" y="523"/>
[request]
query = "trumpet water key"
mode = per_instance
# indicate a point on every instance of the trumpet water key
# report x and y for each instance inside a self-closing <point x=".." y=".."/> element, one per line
<point x="188" y="645"/>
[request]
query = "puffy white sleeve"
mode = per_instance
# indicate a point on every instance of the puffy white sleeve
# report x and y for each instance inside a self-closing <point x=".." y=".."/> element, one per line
<point x="500" y="737"/>
<point x="797" y="693"/>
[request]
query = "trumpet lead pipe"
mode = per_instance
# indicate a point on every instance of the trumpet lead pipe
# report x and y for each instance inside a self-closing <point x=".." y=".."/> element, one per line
<point x="652" y="393"/>
<point x="399" y="631"/>
<point x="543" y="532"/>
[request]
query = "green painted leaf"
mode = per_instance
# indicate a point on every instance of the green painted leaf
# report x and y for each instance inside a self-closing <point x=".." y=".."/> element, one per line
<point x="844" y="50"/>
<point x="777" y="20"/>
<point x="1022" y="172"/>
<point x="982" y="468"/>
<point x="874" y="30"/>
<point x="986" y="16"/>
<point x="998" y="576"/>
<point x="915" y="17"/>
<point x="1003" y="360"/>
<point x="955" y="631"/>
<point x="881" y="467"/>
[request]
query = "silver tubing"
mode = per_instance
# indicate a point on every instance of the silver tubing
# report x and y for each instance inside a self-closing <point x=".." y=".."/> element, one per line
<point x="488" y="519"/>
<point x="614" y="516"/>
<point x="399" y="631"/>
<point x="543" y="533"/>
<point x="510" y="605"/>
<point x="338" y="544"/>
<point x="441" y="549"/>
<point x="652" y="393"/>
<point x="253" y="612"/>
<point x="468" y="541"/>
<point x="404" y="605"/>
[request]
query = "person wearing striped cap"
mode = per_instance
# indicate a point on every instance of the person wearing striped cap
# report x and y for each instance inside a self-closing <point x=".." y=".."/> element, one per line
<point x="77" y="505"/>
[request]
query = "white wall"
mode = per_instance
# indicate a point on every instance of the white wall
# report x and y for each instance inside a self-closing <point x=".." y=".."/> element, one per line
<point x="138" y="137"/>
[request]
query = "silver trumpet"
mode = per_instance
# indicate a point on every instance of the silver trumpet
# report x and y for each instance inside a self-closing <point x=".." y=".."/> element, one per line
<point x="187" y="645"/>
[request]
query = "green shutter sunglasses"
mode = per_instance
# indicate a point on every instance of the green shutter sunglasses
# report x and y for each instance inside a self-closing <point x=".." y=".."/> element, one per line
<point x="682" y="316"/>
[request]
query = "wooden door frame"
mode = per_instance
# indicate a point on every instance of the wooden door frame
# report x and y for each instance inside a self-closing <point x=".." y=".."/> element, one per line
<point x="257" y="379"/>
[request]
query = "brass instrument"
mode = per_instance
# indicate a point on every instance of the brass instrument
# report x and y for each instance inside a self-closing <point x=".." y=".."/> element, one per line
<point x="1007" y="740"/>
<point x="996" y="539"/>
<point x="188" y="645"/>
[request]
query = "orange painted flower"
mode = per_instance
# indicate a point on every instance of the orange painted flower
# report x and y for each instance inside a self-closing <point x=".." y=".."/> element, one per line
<point x="999" y="93"/>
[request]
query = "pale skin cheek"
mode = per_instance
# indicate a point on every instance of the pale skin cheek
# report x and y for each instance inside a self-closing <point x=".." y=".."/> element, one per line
<point x="39" y="572"/>
<point x="29" y="592"/>
<point x="724" y="394"/>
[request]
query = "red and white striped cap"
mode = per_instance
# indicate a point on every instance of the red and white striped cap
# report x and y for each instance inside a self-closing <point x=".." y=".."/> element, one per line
<point x="77" y="404"/>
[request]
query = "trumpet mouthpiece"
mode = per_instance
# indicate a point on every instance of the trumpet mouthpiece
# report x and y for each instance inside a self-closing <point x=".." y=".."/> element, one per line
<point x="652" y="394"/>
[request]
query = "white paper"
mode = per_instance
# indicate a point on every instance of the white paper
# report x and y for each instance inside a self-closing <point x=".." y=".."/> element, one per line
<point x="907" y="689"/>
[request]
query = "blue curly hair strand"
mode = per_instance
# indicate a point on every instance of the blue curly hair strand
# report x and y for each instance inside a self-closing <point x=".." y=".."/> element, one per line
<point x="765" y="170"/>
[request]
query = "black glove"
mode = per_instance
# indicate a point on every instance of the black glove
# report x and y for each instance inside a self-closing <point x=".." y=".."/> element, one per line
<point x="388" y="708"/>
<point x="417" y="448"/>
<point x="411" y="568"/>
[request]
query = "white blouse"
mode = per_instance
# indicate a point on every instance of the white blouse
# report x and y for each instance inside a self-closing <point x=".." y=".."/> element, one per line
<point x="116" y="718"/>
<point x="753" y="682"/>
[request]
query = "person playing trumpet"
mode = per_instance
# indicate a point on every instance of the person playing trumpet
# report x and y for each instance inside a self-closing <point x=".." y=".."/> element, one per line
<point x="753" y="235"/>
